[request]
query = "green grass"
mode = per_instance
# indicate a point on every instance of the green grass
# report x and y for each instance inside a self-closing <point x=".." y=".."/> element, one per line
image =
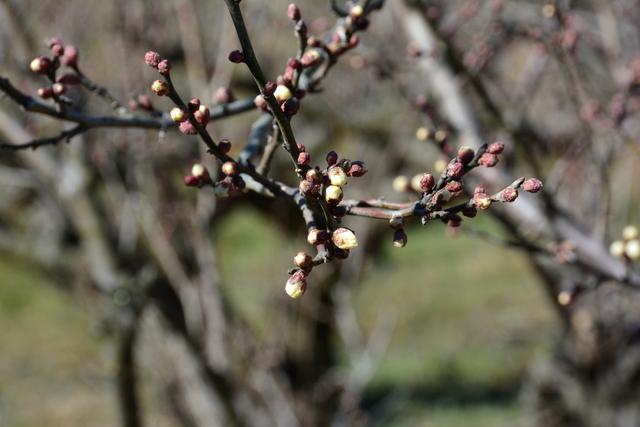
<point x="468" y="319"/>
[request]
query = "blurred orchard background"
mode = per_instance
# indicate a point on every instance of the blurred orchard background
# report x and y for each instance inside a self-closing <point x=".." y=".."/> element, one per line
<point x="451" y="327"/>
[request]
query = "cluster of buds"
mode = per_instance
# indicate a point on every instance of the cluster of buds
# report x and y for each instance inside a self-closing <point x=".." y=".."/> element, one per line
<point x="628" y="246"/>
<point x="48" y="66"/>
<point x="337" y="243"/>
<point x="200" y="112"/>
<point x="157" y="62"/>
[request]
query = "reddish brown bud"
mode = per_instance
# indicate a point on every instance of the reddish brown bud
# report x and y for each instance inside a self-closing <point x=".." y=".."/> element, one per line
<point x="191" y="181"/>
<point x="187" y="128"/>
<point x="495" y="147"/>
<point x="193" y="104"/>
<point x="465" y="155"/>
<point x="488" y="160"/>
<point x="236" y="56"/>
<point x="202" y="115"/>
<point x="454" y="186"/>
<point x="470" y="211"/>
<point x="301" y="147"/>
<point x="45" y="92"/>
<point x="164" y="67"/>
<point x="224" y="146"/>
<point x="290" y="107"/>
<point x="293" y="12"/>
<point x="57" y="49"/>
<point x="68" y="79"/>
<point x="455" y="170"/>
<point x="332" y="158"/>
<point x="356" y="169"/>
<point x="303" y="260"/>
<point x="509" y="194"/>
<point x="308" y="188"/>
<point x="399" y="238"/>
<point x="270" y="87"/>
<point x="427" y="182"/>
<point x="152" y="59"/>
<point x="70" y="58"/>
<point x="294" y="63"/>
<point x="532" y="185"/>
<point x="304" y="158"/>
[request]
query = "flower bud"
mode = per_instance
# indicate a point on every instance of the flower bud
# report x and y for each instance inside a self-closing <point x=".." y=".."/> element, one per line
<point x="333" y="194"/>
<point x="310" y="58"/>
<point x="57" y="49"/>
<point x="356" y="169"/>
<point x="308" y="188"/>
<point x="465" y="154"/>
<point x="303" y="260"/>
<point x="290" y="107"/>
<point x="236" y="56"/>
<point x="427" y="182"/>
<point x="314" y="176"/>
<point x="495" y="147"/>
<point x="304" y="158"/>
<point x="401" y="184"/>
<point x="145" y="102"/>
<point x="399" y="238"/>
<point x="178" y="115"/>
<point x="356" y="11"/>
<point x="455" y="170"/>
<point x="164" y="67"/>
<point x="422" y="134"/>
<point x="224" y="146"/>
<point x="199" y="171"/>
<point x="270" y="87"/>
<point x="191" y="181"/>
<point x="202" y="115"/>
<point x="152" y="59"/>
<point x="337" y="176"/>
<point x="293" y="12"/>
<point x="40" y="65"/>
<point x="58" y="88"/>
<point x="617" y="248"/>
<point x="229" y="168"/>
<point x="509" y="194"/>
<point x="261" y="103"/>
<point x="332" y="158"/>
<point x="282" y="93"/>
<point x="296" y="285"/>
<point x="223" y="95"/>
<point x="45" y="92"/>
<point x="344" y="238"/>
<point x="632" y="249"/>
<point x="482" y="201"/>
<point x="454" y="187"/>
<point x="160" y="87"/>
<point x="415" y="183"/>
<point x="187" y="128"/>
<point x="441" y="135"/>
<point x="488" y="160"/>
<point x="629" y="232"/>
<point x="317" y="237"/>
<point x="532" y="185"/>
<point x="70" y="58"/>
<point x="193" y="104"/>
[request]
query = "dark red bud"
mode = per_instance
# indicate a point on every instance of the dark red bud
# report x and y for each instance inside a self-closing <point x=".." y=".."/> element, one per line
<point x="304" y="158"/>
<point x="356" y="169"/>
<point x="332" y="158"/>
<point x="427" y="182"/>
<point x="236" y="56"/>
<point x="224" y="145"/>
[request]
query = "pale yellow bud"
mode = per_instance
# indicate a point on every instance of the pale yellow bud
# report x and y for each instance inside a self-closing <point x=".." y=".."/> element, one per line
<point x="415" y="182"/>
<point x="344" y="238"/>
<point x="629" y="232"/>
<point x="178" y="115"/>
<point x="198" y="170"/>
<point x="333" y="194"/>
<point x="482" y="201"/>
<point x="400" y="184"/>
<point x="617" y="248"/>
<point x="296" y="285"/>
<point x="282" y="93"/>
<point x="564" y="298"/>
<point x="337" y="176"/>
<point x="632" y="249"/>
<point x="439" y="166"/>
<point x="422" y="134"/>
<point x="356" y="11"/>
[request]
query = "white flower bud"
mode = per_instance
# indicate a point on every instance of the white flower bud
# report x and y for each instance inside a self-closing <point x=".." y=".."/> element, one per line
<point x="632" y="249"/>
<point x="178" y="115"/>
<point x="629" y="232"/>
<point x="282" y="93"/>
<point x="333" y="194"/>
<point x="337" y="176"/>
<point x="617" y="248"/>
<point x="296" y="285"/>
<point x="344" y="238"/>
